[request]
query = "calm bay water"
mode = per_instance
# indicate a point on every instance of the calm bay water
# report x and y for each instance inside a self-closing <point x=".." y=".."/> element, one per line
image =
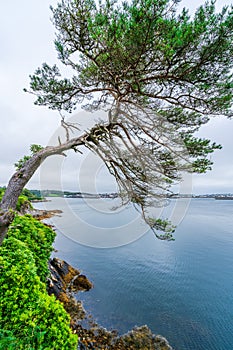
<point x="182" y="290"/>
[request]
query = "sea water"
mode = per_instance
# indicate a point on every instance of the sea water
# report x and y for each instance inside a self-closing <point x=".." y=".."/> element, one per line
<point x="181" y="289"/>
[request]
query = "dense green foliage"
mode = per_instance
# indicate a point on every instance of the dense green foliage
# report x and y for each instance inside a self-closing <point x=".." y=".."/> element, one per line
<point x="38" y="238"/>
<point x="7" y="340"/>
<point x="29" y="317"/>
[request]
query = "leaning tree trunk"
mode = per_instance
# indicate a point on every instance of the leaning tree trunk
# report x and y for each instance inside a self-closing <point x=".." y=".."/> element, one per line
<point x="14" y="188"/>
<point x="19" y="180"/>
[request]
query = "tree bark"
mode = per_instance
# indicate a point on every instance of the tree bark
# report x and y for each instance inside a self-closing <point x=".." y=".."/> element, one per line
<point x="5" y="220"/>
<point x="19" y="180"/>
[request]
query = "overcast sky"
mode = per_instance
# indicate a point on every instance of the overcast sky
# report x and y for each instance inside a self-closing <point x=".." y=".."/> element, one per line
<point x="26" y="37"/>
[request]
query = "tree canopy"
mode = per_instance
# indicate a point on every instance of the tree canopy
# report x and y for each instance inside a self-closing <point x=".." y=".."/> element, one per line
<point x="159" y="73"/>
<point x="140" y="52"/>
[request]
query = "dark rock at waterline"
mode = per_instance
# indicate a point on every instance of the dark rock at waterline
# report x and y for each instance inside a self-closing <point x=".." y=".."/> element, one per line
<point x="64" y="278"/>
<point x="64" y="270"/>
<point x="60" y="283"/>
<point x="81" y="282"/>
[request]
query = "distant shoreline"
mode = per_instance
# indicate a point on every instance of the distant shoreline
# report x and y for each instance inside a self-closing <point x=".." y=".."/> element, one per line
<point x="113" y="195"/>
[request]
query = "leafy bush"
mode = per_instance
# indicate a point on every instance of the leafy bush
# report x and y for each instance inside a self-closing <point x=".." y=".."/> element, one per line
<point x="29" y="318"/>
<point x="23" y="201"/>
<point x="7" y="340"/>
<point x="38" y="238"/>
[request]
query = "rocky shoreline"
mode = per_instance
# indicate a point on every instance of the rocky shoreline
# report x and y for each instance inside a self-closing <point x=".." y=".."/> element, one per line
<point x="65" y="282"/>
<point x="44" y="214"/>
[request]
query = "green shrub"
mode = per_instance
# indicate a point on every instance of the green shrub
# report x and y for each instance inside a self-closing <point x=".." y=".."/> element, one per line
<point x="29" y="317"/>
<point x="7" y="340"/>
<point x="23" y="201"/>
<point x="38" y="238"/>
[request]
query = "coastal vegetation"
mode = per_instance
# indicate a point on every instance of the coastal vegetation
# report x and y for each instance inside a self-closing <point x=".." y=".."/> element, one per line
<point x="29" y="317"/>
